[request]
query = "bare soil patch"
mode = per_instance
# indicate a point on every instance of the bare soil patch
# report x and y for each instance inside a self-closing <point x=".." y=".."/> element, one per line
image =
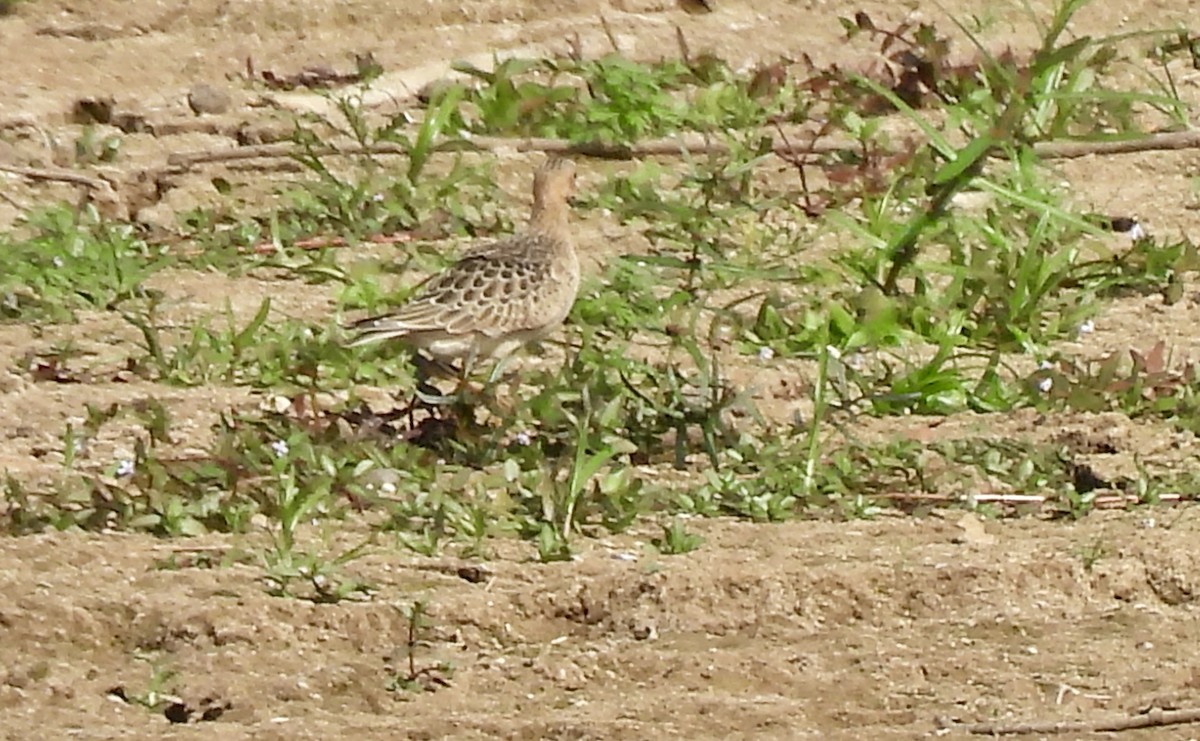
<point x="890" y="629"/>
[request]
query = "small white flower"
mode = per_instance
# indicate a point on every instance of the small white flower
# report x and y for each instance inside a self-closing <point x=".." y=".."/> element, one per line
<point x="280" y="447"/>
<point x="766" y="353"/>
<point x="1086" y="328"/>
<point x="124" y="468"/>
<point x="1045" y="384"/>
<point x="524" y="438"/>
<point x="58" y="261"/>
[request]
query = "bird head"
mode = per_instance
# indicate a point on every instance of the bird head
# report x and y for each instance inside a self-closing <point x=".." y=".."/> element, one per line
<point x="554" y="183"/>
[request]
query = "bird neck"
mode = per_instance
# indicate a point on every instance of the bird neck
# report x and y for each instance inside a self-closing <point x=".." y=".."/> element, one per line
<point x="549" y="218"/>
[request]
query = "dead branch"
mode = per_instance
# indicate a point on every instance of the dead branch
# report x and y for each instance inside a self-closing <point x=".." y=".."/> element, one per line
<point x="1152" y="143"/>
<point x="1154" y="718"/>
<point x="56" y="175"/>
<point x="311" y="243"/>
<point x="1104" y="501"/>
<point x="274" y="151"/>
<point x="320" y="243"/>
<point x="691" y="144"/>
<point x="171" y="548"/>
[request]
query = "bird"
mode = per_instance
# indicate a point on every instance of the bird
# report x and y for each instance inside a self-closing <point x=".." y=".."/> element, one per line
<point x="500" y="295"/>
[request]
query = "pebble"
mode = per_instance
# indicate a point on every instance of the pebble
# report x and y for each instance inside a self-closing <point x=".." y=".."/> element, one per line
<point x="204" y="98"/>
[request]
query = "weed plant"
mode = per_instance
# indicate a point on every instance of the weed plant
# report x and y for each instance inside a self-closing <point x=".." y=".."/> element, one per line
<point x="642" y="413"/>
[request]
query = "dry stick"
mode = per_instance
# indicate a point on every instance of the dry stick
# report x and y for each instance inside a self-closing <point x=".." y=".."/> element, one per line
<point x="320" y="243"/>
<point x="268" y="247"/>
<point x="1106" y="501"/>
<point x="684" y="52"/>
<point x="191" y="548"/>
<point x="61" y="176"/>
<point x="657" y="147"/>
<point x="612" y="37"/>
<point x="799" y="162"/>
<point x="12" y="201"/>
<point x="1155" y="718"/>
<point x="1154" y="142"/>
<point x="676" y="146"/>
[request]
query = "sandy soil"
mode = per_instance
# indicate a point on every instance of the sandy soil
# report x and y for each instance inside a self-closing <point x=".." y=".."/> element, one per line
<point x="900" y="628"/>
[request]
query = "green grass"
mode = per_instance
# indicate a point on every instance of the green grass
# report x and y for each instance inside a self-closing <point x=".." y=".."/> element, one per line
<point x="642" y="415"/>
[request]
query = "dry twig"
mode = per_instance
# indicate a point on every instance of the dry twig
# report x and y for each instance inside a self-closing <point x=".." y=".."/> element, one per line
<point x="320" y="243"/>
<point x="1154" y="718"/>
<point x="55" y="175"/>
<point x="1104" y="501"/>
<point x="692" y="144"/>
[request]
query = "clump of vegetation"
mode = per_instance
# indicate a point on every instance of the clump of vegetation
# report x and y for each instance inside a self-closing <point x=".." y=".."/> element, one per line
<point x="924" y="308"/>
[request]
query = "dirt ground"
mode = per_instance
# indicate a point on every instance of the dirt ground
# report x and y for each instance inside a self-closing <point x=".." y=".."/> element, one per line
<point x="892" y="629"/>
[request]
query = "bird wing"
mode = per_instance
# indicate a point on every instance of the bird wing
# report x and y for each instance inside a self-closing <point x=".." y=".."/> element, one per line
<point x="490" y="290"/>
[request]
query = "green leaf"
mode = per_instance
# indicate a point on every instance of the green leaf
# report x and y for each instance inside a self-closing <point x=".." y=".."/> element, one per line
<point x="965" y="159"/>
<point x="244" y="338"/>
<point x="436" y="120"/>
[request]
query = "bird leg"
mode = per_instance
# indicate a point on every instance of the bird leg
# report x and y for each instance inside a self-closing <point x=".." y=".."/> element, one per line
<point x="433" y="396"/>
<point x="464" y="378"/>
<point x="426" y="393"/>
<point x="428" y="396"/>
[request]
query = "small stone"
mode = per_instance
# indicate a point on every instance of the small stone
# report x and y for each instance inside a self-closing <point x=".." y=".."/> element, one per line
<point x="433" y="90"/>
<point x="381" y="478"/>
<point x="973" y="531"/>
<point x="204" y="98"/>
<point x="645" y="633"/>
<point x="132" y="123"/>
<point x="473" y="574"/>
